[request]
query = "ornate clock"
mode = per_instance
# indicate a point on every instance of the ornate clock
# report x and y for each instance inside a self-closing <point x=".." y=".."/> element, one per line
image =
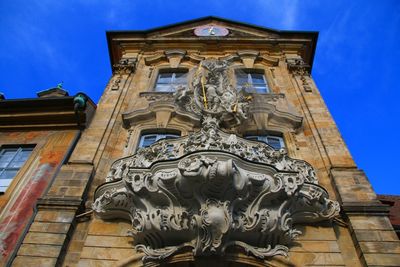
<point x="211" y="30"/>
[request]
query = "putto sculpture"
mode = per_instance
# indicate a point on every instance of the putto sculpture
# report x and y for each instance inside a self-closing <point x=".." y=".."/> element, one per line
<point x="211" y="93"/>
<point x="210" y="190"/>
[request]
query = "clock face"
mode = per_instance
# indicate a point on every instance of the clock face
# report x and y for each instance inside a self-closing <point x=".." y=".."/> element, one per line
<point x="211" y="30"/>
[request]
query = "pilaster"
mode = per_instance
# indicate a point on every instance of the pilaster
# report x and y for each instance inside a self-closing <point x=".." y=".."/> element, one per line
<point x="373" y="236"/>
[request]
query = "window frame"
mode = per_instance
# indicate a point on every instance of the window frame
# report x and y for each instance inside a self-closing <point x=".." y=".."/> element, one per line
<point x="250" y="78"/>
<point x="171" y="84"/>
<point x="8" y="167"/>
<point x="159" y="136"/>
<point x="264" y="138"/>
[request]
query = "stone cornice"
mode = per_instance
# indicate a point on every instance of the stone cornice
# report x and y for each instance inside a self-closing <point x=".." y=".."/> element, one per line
<point x="46" y="112"/>
<point x="182" y="34"/>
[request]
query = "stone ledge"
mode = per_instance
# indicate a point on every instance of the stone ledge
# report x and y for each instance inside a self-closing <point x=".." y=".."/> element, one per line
<point x="65" y="202"/>
<point x="370" y="208"/>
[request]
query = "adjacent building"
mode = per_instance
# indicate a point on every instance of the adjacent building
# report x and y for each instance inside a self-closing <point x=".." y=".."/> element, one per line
<point x="37" y="136"/>
<point x="211" y="145"/>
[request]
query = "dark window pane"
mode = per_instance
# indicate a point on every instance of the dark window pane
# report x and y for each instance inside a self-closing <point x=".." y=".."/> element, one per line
<point x="16" y="164"/>
<point x="20" y="158"/>
<point x="254" y="81"/>
<point x="164" y="88"/>
<point x="167" y="81"/>
<point x="3" y="164"/>
<point x="7" y="155"/>
<point x="8" y="174"/>
<point x="164" y="78"/>
<point x="242" y="78"/>
<point x="5" y="182"/>
<point x="11" y="160"/>
<point x="253" y="138"/>
<point x="274" y="142"/>
<point x="171" y="136"/>
<point x="25" y="153"/>
<point x="257" y="78"/>
<point x="180" y="78"/>
<point x="148" y="140"/>
<point x="260" y="89"/>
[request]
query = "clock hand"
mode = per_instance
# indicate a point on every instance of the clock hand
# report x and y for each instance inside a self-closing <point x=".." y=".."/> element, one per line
<point x="211" y="31"/>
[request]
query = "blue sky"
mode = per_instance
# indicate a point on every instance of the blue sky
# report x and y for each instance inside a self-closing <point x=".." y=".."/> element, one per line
<point x="356" y="66"/>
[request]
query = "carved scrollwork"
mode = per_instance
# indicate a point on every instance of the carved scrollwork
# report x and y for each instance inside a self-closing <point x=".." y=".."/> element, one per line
<point x="210" y="137"/>
<point x="211" y="200"/>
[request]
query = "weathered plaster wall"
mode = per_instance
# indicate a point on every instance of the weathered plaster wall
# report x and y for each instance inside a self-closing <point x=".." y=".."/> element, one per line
<point x="18" y="203"/>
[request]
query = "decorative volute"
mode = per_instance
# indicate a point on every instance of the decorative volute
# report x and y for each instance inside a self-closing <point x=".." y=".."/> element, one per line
<point x="211" y="190"/>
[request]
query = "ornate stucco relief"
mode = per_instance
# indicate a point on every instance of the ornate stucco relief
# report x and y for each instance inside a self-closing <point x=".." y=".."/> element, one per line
<point x="221" y="98"/>
<point x="211" y="199"/>
<point x="299" y="68"/>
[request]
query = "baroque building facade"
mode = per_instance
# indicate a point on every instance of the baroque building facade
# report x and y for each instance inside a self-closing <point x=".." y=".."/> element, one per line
<point x="211" y="145"/>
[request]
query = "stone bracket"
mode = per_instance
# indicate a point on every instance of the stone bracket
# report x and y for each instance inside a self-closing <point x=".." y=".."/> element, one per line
<point x="249" y="57"/>
<point x="125" y="66"/>
<point x="174" y="57"/>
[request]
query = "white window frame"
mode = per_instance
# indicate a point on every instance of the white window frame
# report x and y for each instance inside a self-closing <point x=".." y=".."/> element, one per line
<point x="158" y="137"/>
<point x="171" y="86"/>
<point x="250" y="80"/>
<point x="5" y="183"/>
<point x="264" y="138"/>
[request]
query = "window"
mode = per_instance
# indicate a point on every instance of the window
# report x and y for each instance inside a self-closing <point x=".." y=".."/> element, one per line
<point x="275" y="141"/>
<point x="168" y="80"/>
<point x="147" y="140"/>
<point x="11" y="160"/>
<point x="252" y="80"/>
